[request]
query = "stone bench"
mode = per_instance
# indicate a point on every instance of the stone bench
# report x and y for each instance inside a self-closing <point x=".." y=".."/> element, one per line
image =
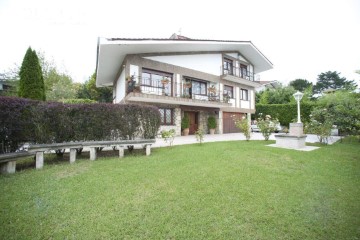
<point x="8" y="160"/>
<point x="93" y="145"/>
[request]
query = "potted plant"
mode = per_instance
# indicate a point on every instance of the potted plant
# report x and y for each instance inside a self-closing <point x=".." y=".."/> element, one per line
<point x="212" y="89"/>
<point x="187" y="84"/>
<point x="212" y="124"/>
<point x="185" y="124"/>
<point x="226" y="97"/>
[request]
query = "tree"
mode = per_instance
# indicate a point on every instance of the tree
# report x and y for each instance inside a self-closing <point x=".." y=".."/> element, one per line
<point x="334" y="81"/>
<point x="31" y="78"/>
<point x="89" y="91"/>
<point x="279" y="95"/>
<point x="300" y="84"/>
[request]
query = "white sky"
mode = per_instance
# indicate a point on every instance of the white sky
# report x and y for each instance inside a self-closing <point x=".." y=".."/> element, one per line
<point x="302" y="38"/>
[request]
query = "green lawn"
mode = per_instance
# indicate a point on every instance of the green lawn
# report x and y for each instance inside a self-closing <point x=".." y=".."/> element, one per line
<point x="227" y="190"/>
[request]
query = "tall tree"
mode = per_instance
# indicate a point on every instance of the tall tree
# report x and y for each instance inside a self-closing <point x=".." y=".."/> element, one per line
<point x="31" y="78"/>
<point x="332" y="80"/>
<point x="300" y="84"/>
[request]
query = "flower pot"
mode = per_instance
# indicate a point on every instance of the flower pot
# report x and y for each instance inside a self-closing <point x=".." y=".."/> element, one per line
<point x="212" y="131"/>
<point x="186" y="131"/>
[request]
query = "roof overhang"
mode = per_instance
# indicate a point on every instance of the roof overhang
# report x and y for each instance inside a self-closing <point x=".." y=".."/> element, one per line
<point x="112" y="52"/>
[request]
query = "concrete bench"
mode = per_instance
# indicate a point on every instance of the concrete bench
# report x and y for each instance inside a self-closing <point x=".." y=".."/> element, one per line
<point x="39" y="149"/>
<point x="8" y="160"/>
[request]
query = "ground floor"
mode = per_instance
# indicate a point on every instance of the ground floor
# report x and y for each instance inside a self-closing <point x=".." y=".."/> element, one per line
<point x="171" y="118"/>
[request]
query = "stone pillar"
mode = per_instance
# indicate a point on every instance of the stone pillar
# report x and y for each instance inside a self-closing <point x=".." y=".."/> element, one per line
<point x="72" y="155"/>
<point x="121" y="151"/>
<point x="296" y="129"/>
<point x="220" y="122"/>
<point x="8" y="167"/>
<point x="148" y="150"/>
<point x="39" y="160"/>
<point x="93" y="153"/>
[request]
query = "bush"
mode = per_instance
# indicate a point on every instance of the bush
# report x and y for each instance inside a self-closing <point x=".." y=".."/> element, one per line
<point x="285" y="113"/>
<point x="199" y="135"/>
<point x="211" y="122"/>
<point x="267" y="126"/>
<point x="23" y="120"/>
<point x="244" y="126"/>
<point x="185" y="121"/>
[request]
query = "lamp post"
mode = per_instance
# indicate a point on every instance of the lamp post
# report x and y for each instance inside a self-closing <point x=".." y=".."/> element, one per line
<point x="298" y="96"/>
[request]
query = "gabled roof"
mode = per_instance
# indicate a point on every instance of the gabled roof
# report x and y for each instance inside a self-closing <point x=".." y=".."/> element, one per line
<point x="112" y="51"/>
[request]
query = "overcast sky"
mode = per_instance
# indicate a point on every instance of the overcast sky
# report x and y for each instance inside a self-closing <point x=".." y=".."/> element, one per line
<point x="302" y="38"/>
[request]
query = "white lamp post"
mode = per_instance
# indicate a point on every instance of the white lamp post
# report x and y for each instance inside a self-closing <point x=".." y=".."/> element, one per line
<point x="298" y="96"/>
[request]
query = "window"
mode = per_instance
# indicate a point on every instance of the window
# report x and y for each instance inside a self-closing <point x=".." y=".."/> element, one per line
<point x="152" y="80"/>
<point x="166" y="116"/>
<point x="228" y="66"/>
<point x="229" y="91"/>
<point x="198" y="88"/>
<point x="243" y="70"/>
<point x="244" y="94"/>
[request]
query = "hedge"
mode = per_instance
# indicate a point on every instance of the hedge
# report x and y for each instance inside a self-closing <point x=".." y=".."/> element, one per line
<point x="23" y="120"/>
<point x="285" y="113"/>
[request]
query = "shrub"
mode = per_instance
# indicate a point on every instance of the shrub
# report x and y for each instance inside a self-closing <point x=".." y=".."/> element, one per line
<point x="185" y="121"/>
<point x="23" y="120"/>
<point x="211" y="122"/>
<point x="199" y="134"/>
<point x="244" y="126"/>
<point x="267" y="126"/>
<point x="320" y="124"/>
<point x="168" y="136"/>
<point x="285" y="113"/>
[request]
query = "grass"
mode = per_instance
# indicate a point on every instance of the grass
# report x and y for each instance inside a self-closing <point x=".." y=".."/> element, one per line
<point x="227" y="190"/>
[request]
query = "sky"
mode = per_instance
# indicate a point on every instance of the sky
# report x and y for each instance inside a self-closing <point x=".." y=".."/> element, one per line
<point x="302" y="38"/>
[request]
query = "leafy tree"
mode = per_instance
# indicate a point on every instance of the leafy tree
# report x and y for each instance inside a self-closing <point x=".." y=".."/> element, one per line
<point x="280" y="95"/>
<point x="332" y="80"/>
<point x="31" y="78"/>
<point x="88" y="90"/>
<point x="300" y="84"/>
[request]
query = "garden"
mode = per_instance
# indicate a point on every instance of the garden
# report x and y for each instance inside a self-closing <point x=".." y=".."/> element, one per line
<point x="224" y="190"/>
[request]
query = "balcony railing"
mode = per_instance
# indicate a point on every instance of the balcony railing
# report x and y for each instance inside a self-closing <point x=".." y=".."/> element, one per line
<point x="237" y="72"/>
<point x="184" y="90"/>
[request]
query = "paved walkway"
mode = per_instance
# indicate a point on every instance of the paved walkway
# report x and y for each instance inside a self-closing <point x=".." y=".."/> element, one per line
<point x="181" y="140"/>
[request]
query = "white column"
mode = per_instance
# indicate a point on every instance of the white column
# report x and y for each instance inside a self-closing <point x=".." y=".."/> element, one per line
<point x="39" y="160"/>
<point x="72" y="155"/>
<point x="121" y="151"/>
<point x="148" y="150"/>
<point x="93" y="153"/>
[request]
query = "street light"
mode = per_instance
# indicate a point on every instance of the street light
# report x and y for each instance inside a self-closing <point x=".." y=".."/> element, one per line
<point x="298" y="96"/>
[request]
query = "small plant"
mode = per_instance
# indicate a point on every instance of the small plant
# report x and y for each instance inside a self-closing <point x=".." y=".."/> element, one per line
<point x="244" y="126"/>
<point x="199" y="134"/>
<point x="267" y="126"/>
<point x="168" y="136"/>
<point x="212" y="89"/>
<point x="211" y="122"/>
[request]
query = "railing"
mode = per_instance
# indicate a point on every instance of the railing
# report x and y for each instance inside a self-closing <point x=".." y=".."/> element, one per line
<point x="237" y="72"/>
<point x="184" y="90"/>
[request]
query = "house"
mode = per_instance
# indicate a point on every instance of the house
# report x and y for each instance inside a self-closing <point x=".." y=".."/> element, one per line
<point x="267" y="85"/>
<point x="181" y="76"/>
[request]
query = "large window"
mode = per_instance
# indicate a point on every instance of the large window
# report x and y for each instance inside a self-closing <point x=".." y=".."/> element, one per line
<point x="244" y="94"/>
<point x="198" y="88"/>
<point x="228" y="91"/>
<point x="166" y="116"/>
<point x="152" y="80"/>
<point x="228" y="66"/>
<point x="243" y="70"/>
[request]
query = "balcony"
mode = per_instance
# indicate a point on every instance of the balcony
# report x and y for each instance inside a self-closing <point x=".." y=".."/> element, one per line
<point x="238" y="75"/>
<point x="168" y="92"/>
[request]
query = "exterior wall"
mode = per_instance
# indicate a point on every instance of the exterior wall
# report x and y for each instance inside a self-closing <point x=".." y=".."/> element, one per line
<point x="207" y="63"/>
<point x="120" y="88"/>
<point x="177" y="121"/>
<point x="220" y="123"/>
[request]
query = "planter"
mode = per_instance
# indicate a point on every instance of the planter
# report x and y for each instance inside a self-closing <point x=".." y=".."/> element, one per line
<point x="186" y="131"/>
<point x="212" y="131"/>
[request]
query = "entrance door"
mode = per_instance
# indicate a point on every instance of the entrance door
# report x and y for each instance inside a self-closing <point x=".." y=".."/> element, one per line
<point x="193" y="116"/>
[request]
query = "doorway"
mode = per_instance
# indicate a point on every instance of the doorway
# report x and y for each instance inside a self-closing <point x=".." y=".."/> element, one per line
<point x="193" y="117"/>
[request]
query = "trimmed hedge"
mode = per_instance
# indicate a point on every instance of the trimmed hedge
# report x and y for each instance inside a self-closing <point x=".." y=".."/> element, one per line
<point x="23" y="120"/>
<point x="285" y="113"/>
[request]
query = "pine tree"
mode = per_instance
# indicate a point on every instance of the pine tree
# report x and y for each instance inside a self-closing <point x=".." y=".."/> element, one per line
<point x="31" y="78"/>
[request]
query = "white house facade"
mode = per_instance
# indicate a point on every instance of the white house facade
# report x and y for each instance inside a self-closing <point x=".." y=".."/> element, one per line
<point x="200" y="78"/>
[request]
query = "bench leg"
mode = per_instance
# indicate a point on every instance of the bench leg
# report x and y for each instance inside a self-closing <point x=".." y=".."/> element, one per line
<point x="72" y="155"/>
<point x="39" y="160"/>
<point x="8" y="167"/>
<point x="121" y="151"/>
<point x="148" y="150"/>
<point x="92" y="153"/>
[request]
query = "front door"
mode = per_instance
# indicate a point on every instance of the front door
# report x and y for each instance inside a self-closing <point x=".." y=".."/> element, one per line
<point x="193" y="116"/>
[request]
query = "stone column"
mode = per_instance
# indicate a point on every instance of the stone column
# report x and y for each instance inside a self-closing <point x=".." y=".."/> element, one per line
<point x="39" y="160"/>
<point x="72" y="155"/>
<point x="148" y="150"/>
<point x="121" y="151"/>
<point x="8" y="167"/>
<point x="296" y="129"/>
<point x="93" y="153"/>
